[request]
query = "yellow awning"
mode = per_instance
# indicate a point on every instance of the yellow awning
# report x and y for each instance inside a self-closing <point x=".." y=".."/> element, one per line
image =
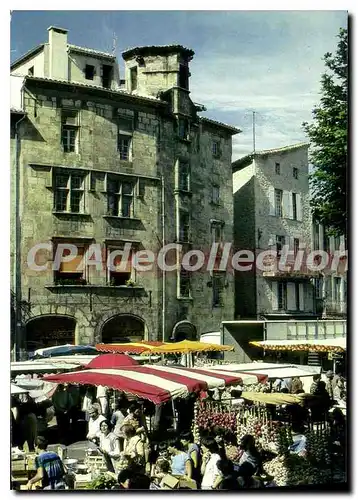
<point x="277" y="398"/>
<point x="186" y="347"/>
<point x="317" y="345"/>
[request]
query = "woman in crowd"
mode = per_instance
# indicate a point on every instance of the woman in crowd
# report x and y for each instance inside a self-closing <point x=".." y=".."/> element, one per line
<point x="193" y="450"/>
<point x="250" y="453"/>
<point x="181" y="464"/>
<point x="95" y="419"/>
<point x="133" y="446"/>
<point x="108" y="445"/>
<point x="210" y="458"/>
<point x="227" y="480"/>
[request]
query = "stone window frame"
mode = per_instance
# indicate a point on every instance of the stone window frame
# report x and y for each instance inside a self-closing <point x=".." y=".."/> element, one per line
<point x="218" y="285"/>
<point x="217" y="227"/>
<point x="125" y="134"/>
<point x="215" y="194"/>
<point x="70" y="130"/>
<point x="183" y="164"/>
<point x="130" y="275"/>
<point x="80" y="277"/>
<point x="183" y="229"/>
<point x="67" y="191"/>
<point x="278" y="202"/>
<point x="183" y="284"/>
<point x="119" y="195"/>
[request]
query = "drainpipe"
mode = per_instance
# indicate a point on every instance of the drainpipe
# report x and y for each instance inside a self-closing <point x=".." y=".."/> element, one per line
<point x="17" y="249"/>
<point x="163" y="270"/>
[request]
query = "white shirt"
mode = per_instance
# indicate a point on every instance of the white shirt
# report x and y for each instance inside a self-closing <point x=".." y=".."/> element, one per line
<point x="94" y="426"/>
<point x="109" y="444"/>
<point x="101" y="391"/>
<point x="211" y="472"/>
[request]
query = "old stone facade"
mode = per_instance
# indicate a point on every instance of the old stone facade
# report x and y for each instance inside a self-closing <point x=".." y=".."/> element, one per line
<point x="271" y="209"/>
<point x="331" y="286"/>
<point x="107" y="164"/>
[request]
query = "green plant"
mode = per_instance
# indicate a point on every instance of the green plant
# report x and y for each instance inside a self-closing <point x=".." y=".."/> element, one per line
<point x="130" y="283"/>
<point x="103" y="482"/>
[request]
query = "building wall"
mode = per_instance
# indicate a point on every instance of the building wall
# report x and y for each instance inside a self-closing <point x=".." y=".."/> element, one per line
<point x="37" y="62"/>
<point x="244" y="239"/>
<point x="155" y="75"/>
<point x="77" y="64"/>
<point x="155" y="152"/>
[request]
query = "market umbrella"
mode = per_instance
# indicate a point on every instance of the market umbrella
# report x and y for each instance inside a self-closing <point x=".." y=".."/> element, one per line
<point x="188" y="346"/>
<point x="317" y="345"/>
<point x="131" y="347"/>
<point x="17" y="390"/>
<point x="111" y="361"/>
<point x="62" y="350"/>
<point x="155" y="383"/>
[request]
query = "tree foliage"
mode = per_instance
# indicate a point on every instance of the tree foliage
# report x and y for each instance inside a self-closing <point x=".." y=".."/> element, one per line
<point x="328" y="138"/>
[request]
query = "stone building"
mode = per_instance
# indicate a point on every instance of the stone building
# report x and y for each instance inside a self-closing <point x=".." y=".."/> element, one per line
<point x="331" y="286"/>
<point x="271" y="212"/>
<point x="99" y="160"/>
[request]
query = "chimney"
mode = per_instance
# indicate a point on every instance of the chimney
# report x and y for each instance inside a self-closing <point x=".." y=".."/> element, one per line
<point x="58" y="57"/>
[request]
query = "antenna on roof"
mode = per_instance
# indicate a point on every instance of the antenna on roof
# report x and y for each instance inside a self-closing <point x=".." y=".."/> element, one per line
<point x="114" y="47"/>
<point x="253" y="132"/>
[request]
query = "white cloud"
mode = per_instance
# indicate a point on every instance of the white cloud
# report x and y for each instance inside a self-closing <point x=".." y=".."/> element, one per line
<point x="279" y="79"/>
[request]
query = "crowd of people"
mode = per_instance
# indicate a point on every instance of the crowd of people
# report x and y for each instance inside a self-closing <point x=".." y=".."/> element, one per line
<point x="140" y="452"/>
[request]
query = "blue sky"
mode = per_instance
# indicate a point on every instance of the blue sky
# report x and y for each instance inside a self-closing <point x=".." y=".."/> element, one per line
<point x="264" y="61"/>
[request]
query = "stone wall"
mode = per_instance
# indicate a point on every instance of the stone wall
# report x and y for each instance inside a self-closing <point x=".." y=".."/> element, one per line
<point x="155" y="151"/>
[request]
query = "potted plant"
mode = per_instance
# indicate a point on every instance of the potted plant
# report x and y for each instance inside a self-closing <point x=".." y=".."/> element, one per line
<point x="130" y="283"/>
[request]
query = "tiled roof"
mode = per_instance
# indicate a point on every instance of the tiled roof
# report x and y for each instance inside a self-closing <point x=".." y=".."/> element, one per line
<point x="16" y="110"/>
<point x="283" y="149"/>
<point x="28" y="54"/>
<point x="220" y="124"/>
<point x="85" y="50"/>
<point x="156" y="49"/>
<point x="245" y="160"/>
<point x="96" y="87"/>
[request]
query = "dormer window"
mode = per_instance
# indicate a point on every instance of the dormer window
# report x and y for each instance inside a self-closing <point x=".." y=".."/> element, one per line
<point x="89" y="72"/>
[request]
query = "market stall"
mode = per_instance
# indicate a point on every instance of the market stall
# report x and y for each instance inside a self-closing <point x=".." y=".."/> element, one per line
<point x="155" y="383"/>
<point x="315" y="345"/>
<point x="276" y="439"/>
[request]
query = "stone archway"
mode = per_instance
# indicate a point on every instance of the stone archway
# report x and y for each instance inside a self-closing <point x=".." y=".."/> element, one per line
<point x="123" y="328"/>
<point x="49" y="330"/>
<point x="184" y="330"/>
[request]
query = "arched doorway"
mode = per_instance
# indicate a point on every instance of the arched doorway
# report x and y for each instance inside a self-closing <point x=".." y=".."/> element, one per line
<point x="48" y="331"/>
<point x="184" y="330"/>
<point x="123" y="328"/>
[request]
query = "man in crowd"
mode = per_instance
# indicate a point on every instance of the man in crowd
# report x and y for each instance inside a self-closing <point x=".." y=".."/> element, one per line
<point x="50" y="470"/>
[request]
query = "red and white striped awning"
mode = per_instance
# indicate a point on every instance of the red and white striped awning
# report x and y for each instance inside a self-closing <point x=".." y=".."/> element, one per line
<point x="156" y="383"/>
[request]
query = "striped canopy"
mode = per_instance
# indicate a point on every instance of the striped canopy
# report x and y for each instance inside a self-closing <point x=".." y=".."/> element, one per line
<point x="155" y="383"/>
<point x="132" y="347"/>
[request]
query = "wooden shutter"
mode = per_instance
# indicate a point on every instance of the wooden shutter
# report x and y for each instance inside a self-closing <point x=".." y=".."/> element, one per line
<point x="271" y="196"/>
<point x="290" y="205"/>
<point x="301" y="288"/>
<point x="299" y="207"/>
<point x="75" y="265"/>
<point x="291" y="296"/>
<point x="285" y="204"/>
<point x="291" y="243"/>
<point x="274" y="295"/>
